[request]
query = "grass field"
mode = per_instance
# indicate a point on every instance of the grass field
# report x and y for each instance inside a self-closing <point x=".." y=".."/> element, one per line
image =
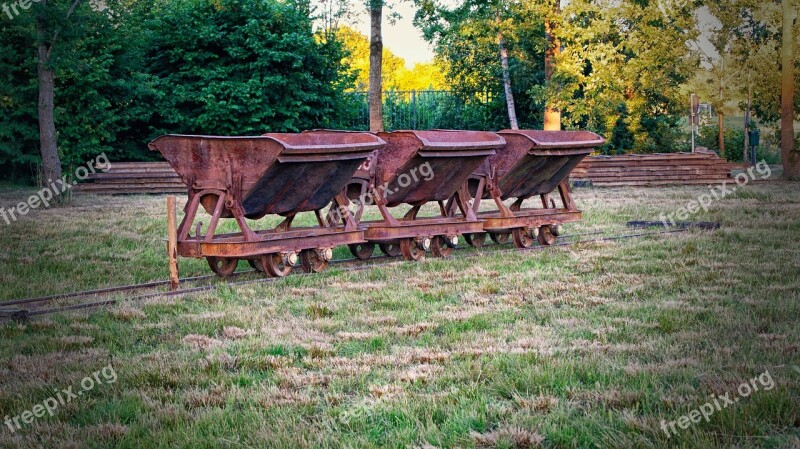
<point x="592" y="345"/>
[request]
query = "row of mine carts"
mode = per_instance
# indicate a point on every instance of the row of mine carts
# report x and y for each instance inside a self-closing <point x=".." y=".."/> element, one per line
<point x="340" y="176"/>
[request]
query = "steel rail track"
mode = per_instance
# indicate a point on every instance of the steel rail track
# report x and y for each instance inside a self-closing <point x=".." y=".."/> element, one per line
<point x="164" y="283"/>
<point x="345" y="265"/>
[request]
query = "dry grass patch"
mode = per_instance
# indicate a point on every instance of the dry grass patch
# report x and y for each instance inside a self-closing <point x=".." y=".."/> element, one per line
<point x="277" y="361"/>
<point x="419" y="373"/>
<point x="48" y="367"/>
<point x="234" y="333"/>
<point x="294" y="331"/>
<point x="358" y="336"/>
<point x="215" y="396"/>
<point x="278" y="397"/>
<point x="42" y="324"/>
<point x="201" y="342"/>
<point x="510" y="437"/>
<point x="108" y="431"/>
<point x="223" y="360"/>
<point x="127" y="313"/>
<point x="386" y="391"/>
<point x="292" y="377"/>
<point x="411" y="330"/>
<point x="539" y="404"/>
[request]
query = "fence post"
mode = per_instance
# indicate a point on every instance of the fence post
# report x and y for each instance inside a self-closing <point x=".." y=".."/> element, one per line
<point x="415" y="122"/>
<point x="172" y="243"/>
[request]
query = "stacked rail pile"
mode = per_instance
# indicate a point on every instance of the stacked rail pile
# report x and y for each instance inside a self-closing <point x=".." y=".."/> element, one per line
<point x="133" y="177"/>
<point x="654" y="169"/>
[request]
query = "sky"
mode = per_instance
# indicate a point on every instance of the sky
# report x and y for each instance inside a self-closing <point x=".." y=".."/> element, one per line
<point x="403" y="39"/>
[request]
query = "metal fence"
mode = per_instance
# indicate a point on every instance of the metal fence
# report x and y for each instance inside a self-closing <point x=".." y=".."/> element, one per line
<point x="424" y="109"/>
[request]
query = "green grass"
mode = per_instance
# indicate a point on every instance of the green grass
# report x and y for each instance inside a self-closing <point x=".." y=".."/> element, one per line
<point x="591" y="345"/>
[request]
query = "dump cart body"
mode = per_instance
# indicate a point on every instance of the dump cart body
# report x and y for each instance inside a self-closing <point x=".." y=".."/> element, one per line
<point x="423" y="166"/>
<point x="271" y="174"/>
<point x="536" y="162"/>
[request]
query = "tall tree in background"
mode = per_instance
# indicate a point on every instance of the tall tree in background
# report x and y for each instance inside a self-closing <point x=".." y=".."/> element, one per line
<point x="48" y="29"/>
<point x="552" y="117"/>
<point x="789" y="157"/>
<point x="489" y="46"/>
<point x="375" y="66"/>
<point x="71" y="88"/>
<point x="725" y="71"/>
<point x="510" y="105"/>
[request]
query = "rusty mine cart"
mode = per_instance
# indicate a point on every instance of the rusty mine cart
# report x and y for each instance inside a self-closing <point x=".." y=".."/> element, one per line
<point x="274" y="174"/>
<point x="533" y="163"/>
<point x="417" y="168"/>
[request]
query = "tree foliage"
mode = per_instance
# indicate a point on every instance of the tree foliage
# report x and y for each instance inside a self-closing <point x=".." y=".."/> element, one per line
<point x="625" y="58"/>
<point x="135" y="69"/>
<point x="230" y="67"/>
<point x="466" y="42"/>
<point x="93" y="85"/>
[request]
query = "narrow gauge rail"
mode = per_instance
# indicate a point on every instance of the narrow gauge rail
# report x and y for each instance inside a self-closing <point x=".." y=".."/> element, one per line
<point x="351" y="264"/>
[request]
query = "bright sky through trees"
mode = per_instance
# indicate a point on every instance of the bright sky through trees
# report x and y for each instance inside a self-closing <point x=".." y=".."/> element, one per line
<point x="402" y="38"/>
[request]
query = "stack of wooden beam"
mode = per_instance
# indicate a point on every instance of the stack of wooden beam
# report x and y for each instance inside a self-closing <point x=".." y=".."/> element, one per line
<point x="654" y="169"/>
<point x="612" y="171"/>
<point x="133" y="177"/>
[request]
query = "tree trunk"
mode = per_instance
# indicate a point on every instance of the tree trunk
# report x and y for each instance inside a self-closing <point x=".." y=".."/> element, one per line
<point x="512" y="109"/>
<point x="552" y="117"/>
<point x="789" y="157"/>
<point x="48" y="146"/>
<point x="721" y="136"/>
<point x="375" y="67"/>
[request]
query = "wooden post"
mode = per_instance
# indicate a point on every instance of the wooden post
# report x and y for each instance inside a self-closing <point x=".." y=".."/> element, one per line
<point x="172" y="243"/>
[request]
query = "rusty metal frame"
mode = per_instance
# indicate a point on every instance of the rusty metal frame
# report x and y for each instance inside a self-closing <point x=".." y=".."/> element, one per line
<point x="250" y="244"/>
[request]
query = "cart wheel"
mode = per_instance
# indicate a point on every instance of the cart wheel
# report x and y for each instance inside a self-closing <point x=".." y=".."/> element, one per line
<point x="546" y="236"/>
<point x="390" y="249"/>
<point x="475" y="240"/>
<point x="410" y="250"/>
<point x="522" y="238"/>
<point x="275" y="266"/>
<point x="312" y="262"/>
<point x="223" y="266"/>
<point x="500" y="239"/>
<point x="440" y="248"/>
<point x="362" y="250"/>
<point x="256" y="265"/>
